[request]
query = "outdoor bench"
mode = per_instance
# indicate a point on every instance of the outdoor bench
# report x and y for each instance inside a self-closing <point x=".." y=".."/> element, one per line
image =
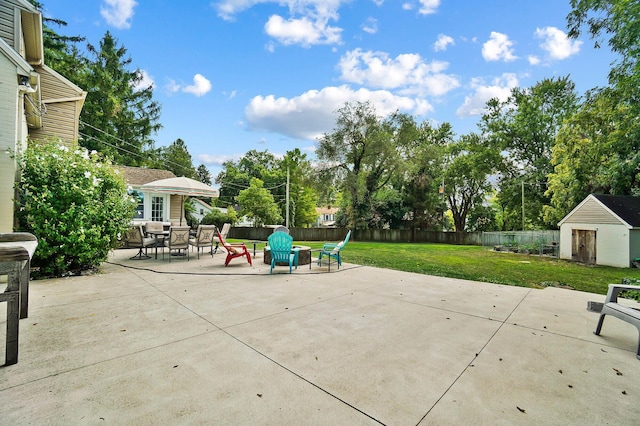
<point x="625" y="313"/>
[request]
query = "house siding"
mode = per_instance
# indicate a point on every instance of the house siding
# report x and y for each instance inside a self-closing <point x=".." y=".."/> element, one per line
<point x="7" y="22"/>
<point x="9" y="103"/>
<point x="58" y="122"/>
<point x="592" y="212"/>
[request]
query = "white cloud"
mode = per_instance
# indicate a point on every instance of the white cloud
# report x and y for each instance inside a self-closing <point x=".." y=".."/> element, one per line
<point x="556" y="43"/>
<point x="428" y="7"/>
<point x="533" y="60"/>
<point x="370" y="26"/>
<point x="499" y="88"/>
<point x="312" y="113"/>
<point x="408" y="73"/>
<point x="200" y="86"/>
<point x="145" y="81"/>
<point x="217" y="160"/>
<point x="118" y="13"/>
<point x="172" y="86"/>
<point x="307" y="23"/>
<point x="303" y="31"/>
<point x="378" y="2"/>
<point x="443" y="42"/>
<point x="498" y="47"/>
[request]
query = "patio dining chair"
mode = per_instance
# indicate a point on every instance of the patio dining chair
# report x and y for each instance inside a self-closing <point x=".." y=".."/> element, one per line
<point x="332" y="250"/>
<point x="280" y="247"/>
<point x="203" y="238"/>
<point x="234" y="250"/>
<point x="225" y="231"/>
<point x="178" y="240"/>
<point x="134" y="238"/>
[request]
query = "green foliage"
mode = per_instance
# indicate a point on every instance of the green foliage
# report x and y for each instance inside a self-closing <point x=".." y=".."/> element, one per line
<point x="466" y="176"/>
<point x="116" y="111"/>
<point x="203" y="174"/>
<point x="524" y="128"/>
<point x="74" y="203"/>
<point x="218" y="218"/>
<point x="258" y="205"/>
<point x="175" y="158"/>
<point x="363" y="154"/>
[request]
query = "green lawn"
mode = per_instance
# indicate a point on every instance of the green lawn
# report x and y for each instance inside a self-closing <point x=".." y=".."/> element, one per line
<point x="476" y="263"/>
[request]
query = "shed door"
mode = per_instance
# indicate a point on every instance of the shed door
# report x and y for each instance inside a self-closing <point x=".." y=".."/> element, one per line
<point x="583" y="246"/>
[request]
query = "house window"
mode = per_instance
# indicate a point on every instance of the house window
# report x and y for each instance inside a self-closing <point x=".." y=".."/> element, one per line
<point x="157" y="209"/>
<point x="139" y="198"/>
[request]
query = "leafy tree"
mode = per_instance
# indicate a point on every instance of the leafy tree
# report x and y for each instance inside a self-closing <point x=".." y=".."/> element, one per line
<point x="305" y="213"/>
<point x="219" y="218"/>
<point x="175" y="158"/>
<point x="362" y="153"/>
<point x="258" y="205"/>
<point x="593" y="155"/>
<point x="203" y="174"/>
<point x="619" y="20"/>
<point x="466" y="182"/>
<point x="422" y="180"/>
<point x="118" y="117"/>
<point x="524" y="127"/>
<point x="75" y="203"/>
<point x="302" y="196"/>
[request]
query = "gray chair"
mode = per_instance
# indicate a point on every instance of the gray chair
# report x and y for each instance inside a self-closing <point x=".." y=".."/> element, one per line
<point x="178" y="240"/>
<point x="281" y="229"/>
<point x="203" y="238"/>
<point x="224" y="232"/>
<point x="134" y="238"/>
<point x="615" y="309"/>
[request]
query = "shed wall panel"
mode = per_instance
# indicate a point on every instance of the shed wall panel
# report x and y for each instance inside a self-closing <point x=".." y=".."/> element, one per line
<point x="592" y="212"/>
<point x="612" y="243"/>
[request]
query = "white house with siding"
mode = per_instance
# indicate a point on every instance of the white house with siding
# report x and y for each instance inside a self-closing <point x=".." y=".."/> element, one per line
<point x="602" y="230"/>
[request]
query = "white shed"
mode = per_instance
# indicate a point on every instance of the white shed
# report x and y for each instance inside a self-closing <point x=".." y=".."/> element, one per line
<point x="602" y="230"/>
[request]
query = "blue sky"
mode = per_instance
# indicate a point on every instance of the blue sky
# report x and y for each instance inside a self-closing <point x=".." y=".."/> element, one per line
<point x="236" y="75"/>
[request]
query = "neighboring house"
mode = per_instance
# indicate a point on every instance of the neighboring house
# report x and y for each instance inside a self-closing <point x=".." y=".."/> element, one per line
<point x="35" y="101"/>
<point x="200" y="209"/>
<point x="326" y="216"/>
<point x="151" y="206"/>
<point x="602" y="230"/>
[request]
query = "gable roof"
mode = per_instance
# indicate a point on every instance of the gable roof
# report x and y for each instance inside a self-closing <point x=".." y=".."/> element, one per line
<point x="626" y="207"/>
<point x="139" y="175"/>
<point x="610" y="209"/>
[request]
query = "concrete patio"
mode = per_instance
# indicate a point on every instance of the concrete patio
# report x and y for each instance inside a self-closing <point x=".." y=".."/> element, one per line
<point x="153" y="342"/>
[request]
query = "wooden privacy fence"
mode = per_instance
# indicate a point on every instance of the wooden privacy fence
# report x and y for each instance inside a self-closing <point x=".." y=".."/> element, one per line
<point x="373" y="235"/>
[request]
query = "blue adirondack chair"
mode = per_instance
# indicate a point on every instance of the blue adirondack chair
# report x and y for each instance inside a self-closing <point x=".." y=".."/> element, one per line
<point x="332" y="250"/>
<point x="280" y="245"/>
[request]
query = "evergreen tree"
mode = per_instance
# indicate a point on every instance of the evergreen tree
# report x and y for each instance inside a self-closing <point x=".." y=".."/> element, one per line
<point x="118" y="118"/>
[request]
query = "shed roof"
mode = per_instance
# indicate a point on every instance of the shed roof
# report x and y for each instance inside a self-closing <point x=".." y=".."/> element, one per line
<point x="600" y="209"/>
<point x="140" y="175"/>
<point x="627" y="207"/>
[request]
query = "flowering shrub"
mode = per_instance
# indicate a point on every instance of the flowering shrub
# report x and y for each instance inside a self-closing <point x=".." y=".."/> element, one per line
<point x="75" y="203"/>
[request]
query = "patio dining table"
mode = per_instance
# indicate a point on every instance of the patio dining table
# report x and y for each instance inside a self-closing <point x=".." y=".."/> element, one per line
<point x="157" y="235"/>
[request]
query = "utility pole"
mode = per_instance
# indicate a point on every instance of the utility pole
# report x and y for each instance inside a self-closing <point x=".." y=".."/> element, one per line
<point x="287" y="208"/>
<point x="522" y="205"/>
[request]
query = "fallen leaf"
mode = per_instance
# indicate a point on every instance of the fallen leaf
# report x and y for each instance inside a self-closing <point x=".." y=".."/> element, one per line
<point x="259" y="395"/>
<point x="520" y="409"/>
<point x="560" y="371"/>
<point x="571" y="386"/>
<point x="175" y="366"/>
<point x="624" y="392"/>
<point x="602" y="350"/>
<point x="618" y="373"/>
